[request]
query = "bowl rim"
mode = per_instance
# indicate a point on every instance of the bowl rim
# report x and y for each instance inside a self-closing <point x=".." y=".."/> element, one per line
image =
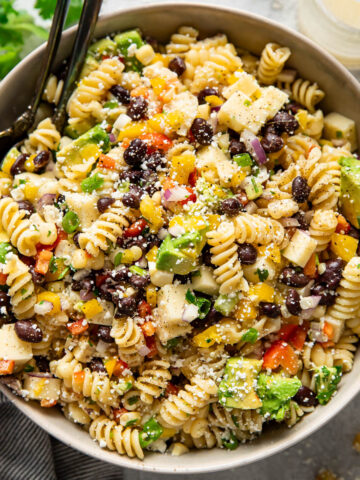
<point x="271" y="449"/>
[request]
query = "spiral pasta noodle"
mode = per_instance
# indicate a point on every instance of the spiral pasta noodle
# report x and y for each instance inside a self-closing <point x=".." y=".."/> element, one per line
<point x="153" y="379"/>
<point x="322" y="226"/>
<point x="272" y="61"/>
<point x="44" y="137"/>
<point x="21" y="232"/>
<point x="224" y="256"/>
<point x="235" y="419"/>
<point x="258" y="230"/>
<point x="116" y="437"/>
<point x="182" y="40"/>
<point x="53" y="90"/>
<point x="207" y="363"/>
<point x="129" y="339"/>
<point x="344" y="350"/>
<point x="306" y="93"/>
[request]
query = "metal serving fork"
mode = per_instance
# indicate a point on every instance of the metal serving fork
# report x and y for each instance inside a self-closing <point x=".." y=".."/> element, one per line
<point x="88" y="19"/>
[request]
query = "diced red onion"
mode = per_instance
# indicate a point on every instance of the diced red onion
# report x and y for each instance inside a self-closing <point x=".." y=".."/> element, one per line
<point x="12" y="382"/>
<point x="305" y="291"/>
<point x="190" y="312"/>
<point x="260" y="155"/>
<point x="143" y="263"/>
<point x="143" y="350"/>
<point x="289" y="222"/>
<point x="112" y="138"/>
<point x="43" y="308"/>
<point x="215" y="109"/>
<point x="316" y="334"/>
<point x="306" y="314"/>
<point x="251" y="207"/>
<point x="308" y="216"/>
<point x="46" y="199"/>
<point x="86" y="295"/>
<point x="176" y="194"/>
<point x="40" y="375"/>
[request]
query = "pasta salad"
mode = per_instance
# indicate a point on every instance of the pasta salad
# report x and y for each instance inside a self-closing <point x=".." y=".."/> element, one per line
<point x="180" y="266"/>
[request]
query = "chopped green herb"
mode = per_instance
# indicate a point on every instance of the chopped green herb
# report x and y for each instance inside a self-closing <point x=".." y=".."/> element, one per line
<point x="247" y="103"/>
<point x="64" y="273"/>
<point x="250" y="336"/>
<point x="22" y="181"/>
<point x="70" y="222"/>
<point x="262" y="274"/>
<point x="151" y="431"/>
<point x="172" y="343"/>
<point x="117" y="259"/>
<point x="231" y="443"/>
<point x="203" y="304"/>
<point x="5" y="248"/>
<point x="326" y="381"/>
<point x="317" y="261"/>
<point x="254" y="184"/>
<point x="124" y="187"/>
<point x="52" y="265"/>
<point x="28" y="368"/>
<point x="130" y="422"/>
<point x="243" y="160"/>
<point x="92" y="183"/>
<point x="138" y="271"/>
<point x="111" y="104"/>
<point x="133" y="400"/>
<point x="49" y="233"/>
<point x="23" y="291"/>
<point x="339" y="134"/>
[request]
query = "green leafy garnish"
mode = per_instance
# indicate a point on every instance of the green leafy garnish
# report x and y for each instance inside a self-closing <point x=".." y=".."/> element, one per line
<point x="262" y="274"/>
<point x="5" y="248"/>
<point x="151" y="431"/>
<point x="138" y="270"/>
<point x="203" y="304"/>
<point x="172" y="343"/>
<point x="243" y="160"/>
<point x="70" y="222"/>
<point x="92" y="183"/>
<point x="53" y="265"/>
<point x="230" y="443"/>
<point x="250" y="336"/>
<point x="28" y="368"/>
<point x="326" y="381"/>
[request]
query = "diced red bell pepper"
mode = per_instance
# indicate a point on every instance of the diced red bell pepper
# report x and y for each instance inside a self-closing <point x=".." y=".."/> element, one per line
<point x="281" y="354"/>
<point x="343" y="226"/>
<point x="144" y="309"/>
<point x="286" y="331"/>
<point x="7" y="367"/>
<point x="3" y="278"/>
<point x="47" y="403"/>
<point x="243" y="198"/>
<point x="328" y="330"/>
<point x="171" y="389"/>
<point x="193" y="178"/>
<point x="310" y="268"/>
<point x="78" y="327"/>
<point x="106" y="162"/>
<point x="61" y="235"/>
<point x="190" y="198"/>
<point x="151" y="344"/>
<point x="117" y="412"/>
<point x="100" y="279"/>
<point x="43" y="259"/>
<point x="294" y="334"/>
<point x="148" y="328"/>
<point x="120" y="367"/>
<point x="157" y="140"/>
<point x="136" y="228"/>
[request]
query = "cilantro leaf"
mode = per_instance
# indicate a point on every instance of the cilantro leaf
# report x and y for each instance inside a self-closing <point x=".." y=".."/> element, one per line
<point x="250" y="336"/>
<point x="91" y="183"/>
<point x="203" y="304"/>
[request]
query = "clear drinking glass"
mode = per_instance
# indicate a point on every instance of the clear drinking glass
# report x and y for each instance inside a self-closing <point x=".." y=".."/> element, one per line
<point x="335" y="25"/>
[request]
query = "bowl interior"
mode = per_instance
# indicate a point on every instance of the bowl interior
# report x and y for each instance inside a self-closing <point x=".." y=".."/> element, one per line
<point x="252" y="33"/>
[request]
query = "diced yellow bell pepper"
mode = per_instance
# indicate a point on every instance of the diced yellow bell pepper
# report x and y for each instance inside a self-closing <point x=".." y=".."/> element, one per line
<point x="214" y="220"/>
<point x="175" y="119"/>
<point x="324" y="142"/>
<point x="134" y="130"/>
<point x="30" y="192"/>
<point x="343" y="246"/>
<point x="152" y="213"/>
<point x="302" y="117"/>
<point x="245" y="310"/>
<point x="110" y="365"/>
<point x="39" y="387"/>
<point x="208" y="337"/>
<point x="161" y="58"/>
<point x="168" y="433"/>
<point x="151" y="255"/>
<point x="9" y="160"/>
<point x="90" y="151"/>
<point x="214" y="100"/>
<point x="151" y="295"/>
<point x="5" y="175"/>
<point x="233" y="78"/>
<point x="91" y="308"/>
<point x="50" y="297"/>
<point x="261" y="292"/>
<point x="189" y="223"/>
<point x="181" y="167"/>
<point x="29" y="164"/>
<point x="238" y="177"/>
<point x="270" y="251"/>
<point x="159" y="123"/>
<point x="158" y="84"/>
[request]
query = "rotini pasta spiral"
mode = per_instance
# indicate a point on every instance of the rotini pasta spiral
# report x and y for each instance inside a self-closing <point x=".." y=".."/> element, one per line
<point x="23" y="235"/>
<point x="306" y="93"/>
<point x="316" y="356"/>
<point x="322" y="226"/>
<point x="272" y="61"/>
<point x="116" y="437"/>
<point x="44" y="137"/>
<point x="207" y="363"/>
<point x="53" y="90"/>
<point x="181" y="41"/>
<point x="107" y="228"/>
<point x="258" y="230"/>
<point x="21" y="287"/>
<point x="224" y="256"/>
<point x="235" y="419"/>
<point x="153" y="380"/>
<point x="344" y="350"/>
<point x="129" y="338"/>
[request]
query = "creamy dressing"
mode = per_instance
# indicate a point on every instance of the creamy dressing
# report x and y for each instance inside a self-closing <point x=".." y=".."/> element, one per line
<point x="347" y="11"/>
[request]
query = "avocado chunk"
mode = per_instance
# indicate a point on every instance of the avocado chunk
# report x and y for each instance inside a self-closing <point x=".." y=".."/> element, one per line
<point x="350" y="190"/>
<point x="73" y="153"/>
<point x="326" y="381"/>
<point x="237" y="388"/>
<point x="179" y="255"/>
<point x="105" y="46"/>
<point x="225" y="304"/>
<point x="125" y="42"/>
<point x="275" y="392"/>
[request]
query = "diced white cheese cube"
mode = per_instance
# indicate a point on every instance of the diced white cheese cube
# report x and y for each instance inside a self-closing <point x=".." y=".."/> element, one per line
<point x="42" y="388"/>
<point x="204" y="281"/>
<point x="300" y="248"/>
<point x="159" y="277"/>
<point x="84" y="205"/>
<point x="12" y="348"/>
<point x="336" y="126"/>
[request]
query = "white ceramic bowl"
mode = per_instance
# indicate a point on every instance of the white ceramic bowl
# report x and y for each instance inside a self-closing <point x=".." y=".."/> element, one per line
<point x="342" y="95"/>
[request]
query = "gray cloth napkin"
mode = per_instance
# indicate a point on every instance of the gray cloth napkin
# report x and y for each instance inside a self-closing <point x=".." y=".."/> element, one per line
<point x="28" y="453"/>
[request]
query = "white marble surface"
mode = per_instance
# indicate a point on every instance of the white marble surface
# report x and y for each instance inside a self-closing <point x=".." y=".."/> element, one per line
<point x="331" y="447"/>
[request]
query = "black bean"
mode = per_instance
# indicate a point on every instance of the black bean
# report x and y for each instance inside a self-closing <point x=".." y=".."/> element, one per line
<point x="153" y="42"/>
<point x="154" y="161"/>
<point x="293" y="302"/>
<point x="60" y="199"/>
<point x="137" y="108"/>
<point x="122" y="94"/>
<point x="121" y="275"/>
<point x="103" y="333"/>
<point x="206" y="256"/>
<point x="86" y="283"/>
<point x="269" y="309"/>
<point x="76" y="239"/>
<point x="132" y="176"/>
<point x="150" y="184"/>
<point x="285" y="122"/>
<point x="19" y="165"/>
<point x="303" y="223"/>
<point x="42" y="363"/>
<point x="306" y="397"/>
<point x="37" y="278"/>
<point x="300" y="189"/>
<point x="104" y="203"/>
<point x="236" y="147"/>
<point x="152" y="241"/>
<point x="293" y="107"/>
<point x="177" y="65"/>
<point x="126" y="306"/>
<point x="231" y="206"/>
<point x="138" y="281"/>
<point x="4" y="299"/>
<point x="333" y="272"/>
<point x="41" y="160"/>
<point x="206" y="92"/>
<point x="27" y="206"/>
<point x="132" y="198"/>
<point x="272" y="143"/>
<point x="202" y="131"/>
<point x="212" y="318"/>
<point x="353" y="232"/>
<point x="247" y="253"/>
<point x="135" y="153"/>
<point x="96" y="365"/>
<point x="28" y="331"/>
<point x="293" y="278"/>
<point x="327" y="296"/>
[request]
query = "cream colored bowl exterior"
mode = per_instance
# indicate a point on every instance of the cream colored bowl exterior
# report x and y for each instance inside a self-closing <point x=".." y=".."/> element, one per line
<point x="343" y="95"/>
